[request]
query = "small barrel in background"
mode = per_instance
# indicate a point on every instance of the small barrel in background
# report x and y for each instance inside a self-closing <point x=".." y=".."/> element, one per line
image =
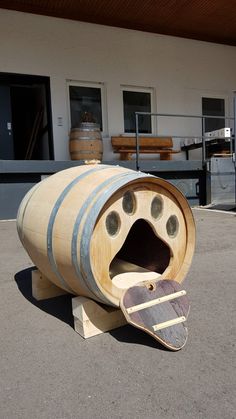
<point x="86" y="142"/>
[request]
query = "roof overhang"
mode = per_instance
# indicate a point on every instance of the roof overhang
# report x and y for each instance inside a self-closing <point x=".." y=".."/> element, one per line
<point x="209" y="20"/>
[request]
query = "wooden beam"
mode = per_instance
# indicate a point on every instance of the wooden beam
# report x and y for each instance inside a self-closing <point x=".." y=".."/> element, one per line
<point x="169" y="323"/>
<point x="92" y="318"/>
<point x="158" y="142"/>
<point x="156" y="301"/>
<point x="42" y="288"/>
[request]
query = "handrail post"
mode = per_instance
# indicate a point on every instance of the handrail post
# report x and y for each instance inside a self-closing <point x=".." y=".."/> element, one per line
<point x="203" y="137"/>
<point x="230" y="138"/>
<point x="234" y="151"/>
<point x="137" y="140"/>
<point x="203" y="142"/>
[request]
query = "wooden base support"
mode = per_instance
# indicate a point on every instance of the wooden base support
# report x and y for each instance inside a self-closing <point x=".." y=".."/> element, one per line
<point x="91" y="318"/>
<point x="42" y="288"/>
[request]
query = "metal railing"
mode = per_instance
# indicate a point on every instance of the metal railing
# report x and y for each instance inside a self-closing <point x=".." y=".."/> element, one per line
<point x="203" y="137"/>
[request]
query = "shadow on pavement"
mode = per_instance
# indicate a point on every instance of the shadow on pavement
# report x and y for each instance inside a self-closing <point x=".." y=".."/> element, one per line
<point x="60" y="307"/>
<point x="130" y="334"/>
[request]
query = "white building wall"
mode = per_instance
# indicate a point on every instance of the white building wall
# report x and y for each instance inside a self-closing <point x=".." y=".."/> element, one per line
<point x="180" y="71"/>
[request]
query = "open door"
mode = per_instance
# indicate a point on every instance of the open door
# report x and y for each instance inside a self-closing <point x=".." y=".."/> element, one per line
<point x="25" y="118"/>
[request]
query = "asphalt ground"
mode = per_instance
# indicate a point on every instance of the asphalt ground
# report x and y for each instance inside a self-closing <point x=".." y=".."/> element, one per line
<point x="49" y="371"/>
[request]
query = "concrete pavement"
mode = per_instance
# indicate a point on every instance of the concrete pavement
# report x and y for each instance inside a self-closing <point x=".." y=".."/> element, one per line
<point x="48" y="371"/>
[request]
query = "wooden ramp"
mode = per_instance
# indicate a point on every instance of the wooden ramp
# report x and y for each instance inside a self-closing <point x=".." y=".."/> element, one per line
<point x="159" y="308"/>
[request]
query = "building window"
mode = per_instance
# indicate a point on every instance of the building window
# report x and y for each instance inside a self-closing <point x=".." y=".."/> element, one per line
<point x="85" y="99"/>
<point x="137" y="101"/>
<point x="213" y="107"/>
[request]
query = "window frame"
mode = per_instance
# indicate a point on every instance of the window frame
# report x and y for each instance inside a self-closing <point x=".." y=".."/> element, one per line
<point x="96" y="85"/>
<point x="214" y="96"/>
<point x="140" y="89"/>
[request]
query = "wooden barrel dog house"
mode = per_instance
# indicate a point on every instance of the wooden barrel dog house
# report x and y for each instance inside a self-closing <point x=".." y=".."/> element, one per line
<point x="86" y="142"/>
<point x="94" y="228"/>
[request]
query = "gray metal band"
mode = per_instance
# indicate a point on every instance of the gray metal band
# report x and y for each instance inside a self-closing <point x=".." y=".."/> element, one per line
<point x="85" y="266"/>
<point x="53" y="217"/>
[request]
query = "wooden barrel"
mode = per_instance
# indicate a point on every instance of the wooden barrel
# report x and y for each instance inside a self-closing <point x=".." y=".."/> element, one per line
<point x="93" y="229"/>
<point x="86" y="142"/>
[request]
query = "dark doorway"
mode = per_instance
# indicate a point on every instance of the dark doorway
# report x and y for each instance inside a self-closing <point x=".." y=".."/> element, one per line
<point x="25" y="117"/>
<point x="143" y="248"/>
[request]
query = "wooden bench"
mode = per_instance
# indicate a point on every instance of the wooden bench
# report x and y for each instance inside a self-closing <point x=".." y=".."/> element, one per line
<point x="126" y="146"/>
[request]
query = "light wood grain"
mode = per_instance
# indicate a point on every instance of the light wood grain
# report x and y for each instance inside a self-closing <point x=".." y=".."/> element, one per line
<point x="91" y="319"/>
<point x="155" y="301"/>
<point x="168" y="323"/>
<point x="146" y="142"/>
<point x="126" y="146"/>
<point x="85" y="144"/>
<point x="38" y="206"/>
<point x="42" y="288"/>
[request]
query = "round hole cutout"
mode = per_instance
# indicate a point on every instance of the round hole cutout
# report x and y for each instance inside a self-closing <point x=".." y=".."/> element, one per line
<point x="151" y="287"/>
<point x="129" y="203"/>
<point x="113" y="223"/>
<point x="172" y="226"/>
<point x="157" y="207"/>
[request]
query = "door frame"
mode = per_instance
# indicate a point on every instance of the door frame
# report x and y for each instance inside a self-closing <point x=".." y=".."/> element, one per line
<point x="27" y="79"/>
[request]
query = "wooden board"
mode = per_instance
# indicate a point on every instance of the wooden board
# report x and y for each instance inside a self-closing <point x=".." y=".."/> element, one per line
<point x="160" y="142"/>
<point x="42" y="288"/>
<point x="125" y="274"/>
<point x="145" y="150"/>
<point x="165" y="320"/>
<point x="92" y="319"/>
<point x="126" y="154"/>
